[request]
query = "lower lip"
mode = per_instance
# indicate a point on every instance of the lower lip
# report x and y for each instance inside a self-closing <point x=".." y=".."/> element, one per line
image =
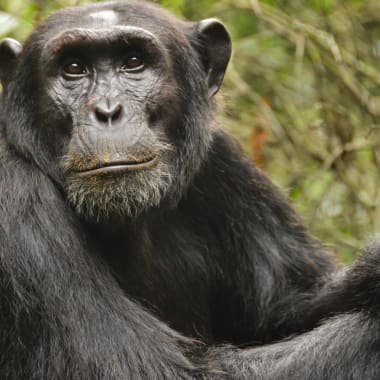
<point x="120" y="169"/>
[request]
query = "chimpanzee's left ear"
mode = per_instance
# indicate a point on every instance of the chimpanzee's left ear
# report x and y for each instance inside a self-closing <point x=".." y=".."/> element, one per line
<point x="217" y="43"/>
<point x="10" y="50"/>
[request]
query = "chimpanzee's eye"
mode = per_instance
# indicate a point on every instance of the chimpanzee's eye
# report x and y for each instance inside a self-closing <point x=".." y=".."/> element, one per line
<point x="133" y="63"/>
<point x="75" y="69"/>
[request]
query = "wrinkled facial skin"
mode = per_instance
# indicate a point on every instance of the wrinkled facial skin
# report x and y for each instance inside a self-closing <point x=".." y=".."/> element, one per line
<point x="112" y="84"/>
<point x="117" y="105"/>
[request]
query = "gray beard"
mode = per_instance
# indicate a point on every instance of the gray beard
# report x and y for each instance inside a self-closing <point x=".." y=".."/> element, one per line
<point x="103" y="197"/>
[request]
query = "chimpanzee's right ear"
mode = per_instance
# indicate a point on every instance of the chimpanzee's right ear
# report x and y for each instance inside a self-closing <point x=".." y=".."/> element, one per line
<point x="10" y="50"/>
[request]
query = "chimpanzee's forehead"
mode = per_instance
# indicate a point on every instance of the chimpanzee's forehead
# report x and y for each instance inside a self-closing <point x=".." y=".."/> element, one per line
<point x="113" y="14"/>
<point x="104" y="17"/>
<point x="118" y="13"/>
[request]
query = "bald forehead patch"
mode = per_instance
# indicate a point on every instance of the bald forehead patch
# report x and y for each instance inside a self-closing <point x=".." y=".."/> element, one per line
<point x="109" y="17"/>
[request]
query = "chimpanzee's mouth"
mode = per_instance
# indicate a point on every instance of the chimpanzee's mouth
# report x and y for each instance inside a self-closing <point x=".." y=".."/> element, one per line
<point x="121" y="166"/>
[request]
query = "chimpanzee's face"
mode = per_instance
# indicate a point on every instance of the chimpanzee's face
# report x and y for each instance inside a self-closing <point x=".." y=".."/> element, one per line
<point x="124" y="98"/>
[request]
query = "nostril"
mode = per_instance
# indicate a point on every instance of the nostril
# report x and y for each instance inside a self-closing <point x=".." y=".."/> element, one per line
<point x="116" y="113"/>
<point x="101" y="115"/>
<point x="108" y="115"/>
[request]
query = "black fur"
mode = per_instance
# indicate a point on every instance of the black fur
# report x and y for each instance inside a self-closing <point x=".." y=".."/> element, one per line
<point x="219" y="256"/>
<point x="344" y="347"/>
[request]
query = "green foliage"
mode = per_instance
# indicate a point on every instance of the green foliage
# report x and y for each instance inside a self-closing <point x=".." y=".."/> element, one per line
<point x="176" y="6"/>
<point x="302" y="94"/>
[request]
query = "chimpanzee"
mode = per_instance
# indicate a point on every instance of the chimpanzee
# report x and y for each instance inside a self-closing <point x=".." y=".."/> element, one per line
<point x="126" y="209"/>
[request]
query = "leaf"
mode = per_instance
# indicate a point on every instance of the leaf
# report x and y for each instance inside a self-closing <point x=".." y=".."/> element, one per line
<point x="7" y="23"/>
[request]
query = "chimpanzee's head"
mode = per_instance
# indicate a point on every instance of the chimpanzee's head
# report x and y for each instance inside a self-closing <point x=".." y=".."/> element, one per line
<point x="114" y="102"/>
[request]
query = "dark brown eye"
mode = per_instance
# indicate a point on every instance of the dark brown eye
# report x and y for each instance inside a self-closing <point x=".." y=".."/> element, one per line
<point x="133" y="63"/>
<point x="75" y="69"/>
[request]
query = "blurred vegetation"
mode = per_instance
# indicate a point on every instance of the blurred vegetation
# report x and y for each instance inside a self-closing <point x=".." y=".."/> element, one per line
<point x="303" y="96"/>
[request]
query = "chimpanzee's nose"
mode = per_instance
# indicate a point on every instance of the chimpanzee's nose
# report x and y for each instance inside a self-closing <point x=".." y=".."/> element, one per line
<point x="108" y="112"/>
